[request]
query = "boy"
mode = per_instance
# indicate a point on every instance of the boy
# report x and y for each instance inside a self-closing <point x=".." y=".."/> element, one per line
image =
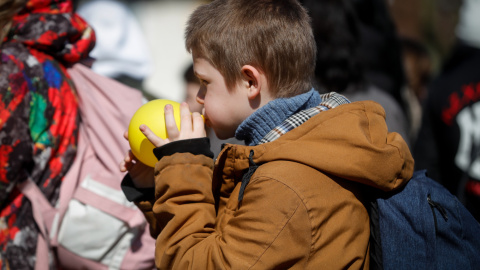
<point x="292" y="196"/>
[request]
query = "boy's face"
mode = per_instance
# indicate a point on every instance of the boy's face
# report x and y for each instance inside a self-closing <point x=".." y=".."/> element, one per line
<point x="224" y="109"/>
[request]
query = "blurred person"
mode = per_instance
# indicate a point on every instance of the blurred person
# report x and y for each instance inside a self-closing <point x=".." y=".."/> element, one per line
<point x="418" y="69"/>
<point x="418" y="66"/>
<point x="191" y="90"/>
<point x="192" y="85"/>
<point x="121" y="51"/>
<point x="39" y="114"/>
<point x="339" y="65"/>
<point x="448" y="144"/>
<point x="380" y="49"/>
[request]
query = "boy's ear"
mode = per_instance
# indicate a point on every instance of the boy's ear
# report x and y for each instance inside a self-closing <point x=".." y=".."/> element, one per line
<point x="252" y="78"/>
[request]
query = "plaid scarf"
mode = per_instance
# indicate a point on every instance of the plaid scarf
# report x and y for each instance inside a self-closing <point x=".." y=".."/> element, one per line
<point x="329" y="101"/>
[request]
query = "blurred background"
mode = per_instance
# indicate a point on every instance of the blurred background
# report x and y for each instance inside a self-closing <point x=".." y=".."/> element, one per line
<point x="427" y="28"/>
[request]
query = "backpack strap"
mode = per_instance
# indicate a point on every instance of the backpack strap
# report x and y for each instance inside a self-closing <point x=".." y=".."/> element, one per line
<point x="131" y="216"/>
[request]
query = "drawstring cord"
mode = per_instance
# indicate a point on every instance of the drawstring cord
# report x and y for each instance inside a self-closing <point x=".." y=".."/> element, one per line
<point x="246" y="177"/>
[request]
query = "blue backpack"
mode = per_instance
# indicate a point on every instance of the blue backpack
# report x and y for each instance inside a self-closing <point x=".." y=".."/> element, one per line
<point x="423" y="226"/>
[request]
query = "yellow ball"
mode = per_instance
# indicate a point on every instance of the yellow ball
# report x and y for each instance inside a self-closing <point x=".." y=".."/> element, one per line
<point x="152" y="115"/>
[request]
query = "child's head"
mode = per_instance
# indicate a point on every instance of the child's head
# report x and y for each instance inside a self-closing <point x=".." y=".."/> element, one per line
<point x="274" y="36"/>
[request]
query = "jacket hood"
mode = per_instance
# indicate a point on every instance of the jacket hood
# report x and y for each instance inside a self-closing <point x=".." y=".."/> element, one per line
<point x="51" y="26"/>
<point x="350" y="141"/>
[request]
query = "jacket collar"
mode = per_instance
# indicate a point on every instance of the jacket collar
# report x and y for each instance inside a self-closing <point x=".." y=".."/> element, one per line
<point x="329" y="101"/>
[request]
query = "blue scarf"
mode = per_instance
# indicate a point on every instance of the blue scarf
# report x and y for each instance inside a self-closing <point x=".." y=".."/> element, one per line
<point x="262" y="121"/>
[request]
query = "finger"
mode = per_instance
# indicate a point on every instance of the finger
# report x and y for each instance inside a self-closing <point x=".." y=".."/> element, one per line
<point x="125" y="135"/>
<point x="130" y="157"/>
<point x="186" y="118"/>
<point x="198" y="125"/>
<point x="172" y="129"/>
<point x="154" y="139"/>
<point x="124" y="164"/>
<point x="123" y="167"/>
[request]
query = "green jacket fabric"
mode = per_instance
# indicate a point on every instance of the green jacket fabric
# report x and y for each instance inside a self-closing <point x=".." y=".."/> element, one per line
<point x="302" y="209"/>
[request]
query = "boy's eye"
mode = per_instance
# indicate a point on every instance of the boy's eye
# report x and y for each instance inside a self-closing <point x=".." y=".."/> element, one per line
<point x="203" y="82"/>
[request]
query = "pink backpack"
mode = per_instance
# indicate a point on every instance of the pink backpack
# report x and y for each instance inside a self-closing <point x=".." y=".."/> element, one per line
<point x="93" y="226"/>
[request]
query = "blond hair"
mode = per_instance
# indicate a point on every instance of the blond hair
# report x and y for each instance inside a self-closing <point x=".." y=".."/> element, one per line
<point x="274" y="36"/>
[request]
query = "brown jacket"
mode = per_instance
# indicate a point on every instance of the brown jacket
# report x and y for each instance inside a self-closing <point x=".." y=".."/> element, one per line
<point x="302" y="208"/>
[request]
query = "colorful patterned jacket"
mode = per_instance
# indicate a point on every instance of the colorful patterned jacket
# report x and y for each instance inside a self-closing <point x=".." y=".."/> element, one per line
<point x="38" y="116"/>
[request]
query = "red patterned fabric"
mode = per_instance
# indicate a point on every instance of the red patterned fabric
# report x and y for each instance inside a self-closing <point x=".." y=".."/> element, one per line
<point x="38" y="116"/>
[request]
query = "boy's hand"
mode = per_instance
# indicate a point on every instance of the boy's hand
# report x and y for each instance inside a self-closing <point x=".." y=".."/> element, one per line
<point x="191" y="126"/>
<point x="141" y="174"/>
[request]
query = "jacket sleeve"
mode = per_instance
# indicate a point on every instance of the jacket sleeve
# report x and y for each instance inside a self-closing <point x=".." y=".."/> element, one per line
<point x="144" y="198"/>
<point x="252" y="236"/>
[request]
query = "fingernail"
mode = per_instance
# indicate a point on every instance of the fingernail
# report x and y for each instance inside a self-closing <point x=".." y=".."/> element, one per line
<point x="142" y="127"/>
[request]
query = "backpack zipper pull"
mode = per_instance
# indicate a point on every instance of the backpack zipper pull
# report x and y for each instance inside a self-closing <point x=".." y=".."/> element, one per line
<point x="436" y="205"/>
